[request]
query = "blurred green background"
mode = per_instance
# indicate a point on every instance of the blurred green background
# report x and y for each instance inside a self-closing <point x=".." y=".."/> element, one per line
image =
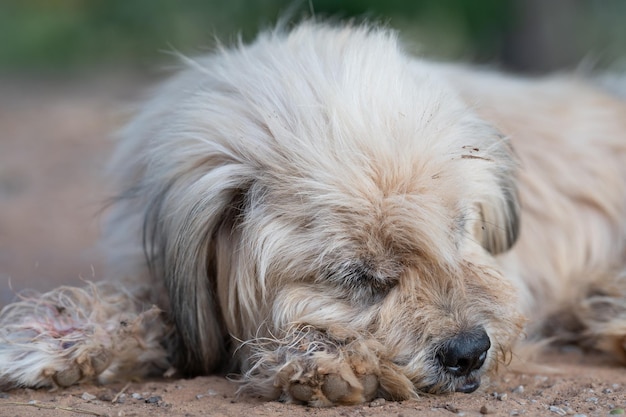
<point x="521" y="35"/>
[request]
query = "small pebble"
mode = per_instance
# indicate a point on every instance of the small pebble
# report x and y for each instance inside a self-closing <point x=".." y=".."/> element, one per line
<point x="557" y="410"/>
<point x="518" y="390"/>
<point x="199" y="396"/>
<point x="121" y="399"/>
<point x="502" y="397"/>
<point x="136" y="396"/>
<point x="607" y="391"/>
<point x="485" y="409"/>
<point x="451" y="408"/>
<point x="105" y="396"/>
<point x="580" y="415"/>
<point x="211" y="392"/>
<point x="617" y="411"/>
<point x="378" y="402"/>
<point x="592" y="400"/>
<point x="154" y="399"/>
<point x="88" y="397"/>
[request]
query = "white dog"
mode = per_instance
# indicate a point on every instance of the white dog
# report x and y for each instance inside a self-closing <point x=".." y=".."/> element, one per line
<point x="338" y="220"/>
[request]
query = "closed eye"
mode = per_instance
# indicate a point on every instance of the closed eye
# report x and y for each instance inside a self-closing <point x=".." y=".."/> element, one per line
<point x="367" y="285"/>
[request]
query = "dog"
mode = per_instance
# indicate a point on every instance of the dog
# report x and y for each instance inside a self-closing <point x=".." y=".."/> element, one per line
<point x="335" y="220"/>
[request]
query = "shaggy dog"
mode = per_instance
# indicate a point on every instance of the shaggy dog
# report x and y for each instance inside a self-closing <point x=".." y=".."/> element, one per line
<point x="338" y="220"/>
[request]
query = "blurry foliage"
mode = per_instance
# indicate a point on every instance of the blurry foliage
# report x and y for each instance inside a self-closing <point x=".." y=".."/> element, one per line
<point x="86" y="34"/>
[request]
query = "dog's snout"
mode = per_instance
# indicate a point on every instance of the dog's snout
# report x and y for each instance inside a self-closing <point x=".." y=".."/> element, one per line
<point x="465" y="352"/>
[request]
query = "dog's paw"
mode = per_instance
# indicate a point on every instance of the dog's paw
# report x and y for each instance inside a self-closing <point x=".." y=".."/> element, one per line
<point x="602" y="315"/>
<point x="71" y="335"/>
<point x="86" y="362"/>
<point x="334" y="389"/>
<point x="36" y="351"/>
<point x="78" y="370"/>
<point x="309" y="367"/>
<point x="343" y="375"/>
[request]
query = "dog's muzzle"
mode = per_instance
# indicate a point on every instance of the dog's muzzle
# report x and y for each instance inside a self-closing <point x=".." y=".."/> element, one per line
<point x="464" y="353"/>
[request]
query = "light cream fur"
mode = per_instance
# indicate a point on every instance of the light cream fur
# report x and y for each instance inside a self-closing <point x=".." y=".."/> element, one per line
<point x="329" y="215"/>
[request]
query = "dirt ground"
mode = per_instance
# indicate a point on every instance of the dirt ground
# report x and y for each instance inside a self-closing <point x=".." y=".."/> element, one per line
<point x="54" y="144"/>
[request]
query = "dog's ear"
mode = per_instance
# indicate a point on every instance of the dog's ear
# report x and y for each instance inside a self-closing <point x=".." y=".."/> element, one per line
<point x="500" y="215"/>
<point x="181" y="227"/>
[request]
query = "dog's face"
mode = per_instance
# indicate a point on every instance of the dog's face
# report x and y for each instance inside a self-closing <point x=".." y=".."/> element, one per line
<point x="399" y="245"/>
<point x="353" y="194"/>
<point x="394" y="240"/>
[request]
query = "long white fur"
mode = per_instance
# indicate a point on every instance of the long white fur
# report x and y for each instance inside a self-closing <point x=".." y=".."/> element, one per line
<point x="324" y="211"/>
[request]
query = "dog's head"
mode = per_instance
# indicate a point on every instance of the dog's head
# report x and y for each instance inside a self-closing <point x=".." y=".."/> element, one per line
<point x="323" y="178"/>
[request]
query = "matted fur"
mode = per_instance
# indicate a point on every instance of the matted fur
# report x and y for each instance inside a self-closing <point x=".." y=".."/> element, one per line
<point x="329" y="215"/>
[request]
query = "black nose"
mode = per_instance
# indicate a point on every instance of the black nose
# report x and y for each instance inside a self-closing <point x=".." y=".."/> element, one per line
<point x="465" y="352"/>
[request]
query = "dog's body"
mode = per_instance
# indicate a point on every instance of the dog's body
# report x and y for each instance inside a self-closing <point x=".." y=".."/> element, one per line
<point x="339" y="220"/>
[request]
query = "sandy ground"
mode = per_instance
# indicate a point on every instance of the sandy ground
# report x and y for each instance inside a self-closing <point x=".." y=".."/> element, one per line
<point x="54" y="144"/>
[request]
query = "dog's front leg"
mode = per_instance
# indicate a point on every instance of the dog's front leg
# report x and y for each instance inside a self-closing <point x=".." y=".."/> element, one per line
<point x="70" y="335"/>
<point x="601" y="314"/>
<point x="308" y="365"/>
<point x="320" y="353"/>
